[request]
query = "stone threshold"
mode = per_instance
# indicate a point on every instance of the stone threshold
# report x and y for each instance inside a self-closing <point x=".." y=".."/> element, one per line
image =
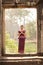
<point x="21" y="59"/>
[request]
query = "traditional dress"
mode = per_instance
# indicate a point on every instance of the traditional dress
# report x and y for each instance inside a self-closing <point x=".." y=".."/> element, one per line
<point x="21" y="42"/>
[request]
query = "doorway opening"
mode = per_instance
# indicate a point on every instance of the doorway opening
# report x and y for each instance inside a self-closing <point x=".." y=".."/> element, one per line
<point x="14" y="18"/>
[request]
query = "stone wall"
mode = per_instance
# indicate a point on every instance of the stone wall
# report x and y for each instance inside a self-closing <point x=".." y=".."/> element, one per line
<point x="40" y="27"/>
<point x="42" y="30"/>
<point x="0" y="26"/>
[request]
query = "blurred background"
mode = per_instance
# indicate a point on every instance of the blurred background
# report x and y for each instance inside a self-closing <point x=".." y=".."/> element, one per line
<point x="14" y="17"/>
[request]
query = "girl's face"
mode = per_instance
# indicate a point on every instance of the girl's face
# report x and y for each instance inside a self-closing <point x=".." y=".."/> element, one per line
<point x="22" y="27"/>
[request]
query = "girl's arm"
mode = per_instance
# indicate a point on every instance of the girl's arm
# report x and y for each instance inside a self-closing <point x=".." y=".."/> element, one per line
<point x="24" y="33"/>
<point x="19" y="34"/>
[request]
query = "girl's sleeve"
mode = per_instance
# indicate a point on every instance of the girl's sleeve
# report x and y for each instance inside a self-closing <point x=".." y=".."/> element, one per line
<point x="24" y="31"/>
<point x="18" y="31"/>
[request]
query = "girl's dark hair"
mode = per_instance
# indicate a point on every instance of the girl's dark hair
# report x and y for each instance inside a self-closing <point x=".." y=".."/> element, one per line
<point x="21" y="26"/>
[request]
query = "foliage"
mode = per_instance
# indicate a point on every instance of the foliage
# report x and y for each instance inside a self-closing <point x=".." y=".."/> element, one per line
<point x="30" y="47"/>
<point x="31" y="30"/>
<point x="10" y="44"/>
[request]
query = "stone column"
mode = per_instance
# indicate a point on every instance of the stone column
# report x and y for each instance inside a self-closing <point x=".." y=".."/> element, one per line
<point x="39" y="29"/>
<point x="0" y="26"/>
<point x="42" y="30"/>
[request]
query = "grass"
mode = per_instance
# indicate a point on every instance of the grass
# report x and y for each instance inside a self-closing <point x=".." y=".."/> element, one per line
<point x="30" y="47"/>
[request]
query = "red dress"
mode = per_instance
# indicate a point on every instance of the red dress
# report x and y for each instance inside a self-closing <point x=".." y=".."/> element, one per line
<point x="21" y="42"/>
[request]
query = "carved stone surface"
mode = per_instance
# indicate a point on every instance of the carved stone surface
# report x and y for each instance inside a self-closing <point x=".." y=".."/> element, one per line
<point x="40" y="32"/>
<point x="0" y="25"/>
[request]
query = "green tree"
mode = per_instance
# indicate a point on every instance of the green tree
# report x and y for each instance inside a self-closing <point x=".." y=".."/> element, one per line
<point x="31" y="29"/>
<point x="10" y="44"/>
<point x="20" y="13"/>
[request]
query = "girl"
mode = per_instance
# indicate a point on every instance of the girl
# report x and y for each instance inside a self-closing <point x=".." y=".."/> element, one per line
<point x="21" y="37"/>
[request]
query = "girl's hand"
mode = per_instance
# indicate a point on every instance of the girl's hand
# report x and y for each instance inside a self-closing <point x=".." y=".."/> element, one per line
<point x="22" y="32"/>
